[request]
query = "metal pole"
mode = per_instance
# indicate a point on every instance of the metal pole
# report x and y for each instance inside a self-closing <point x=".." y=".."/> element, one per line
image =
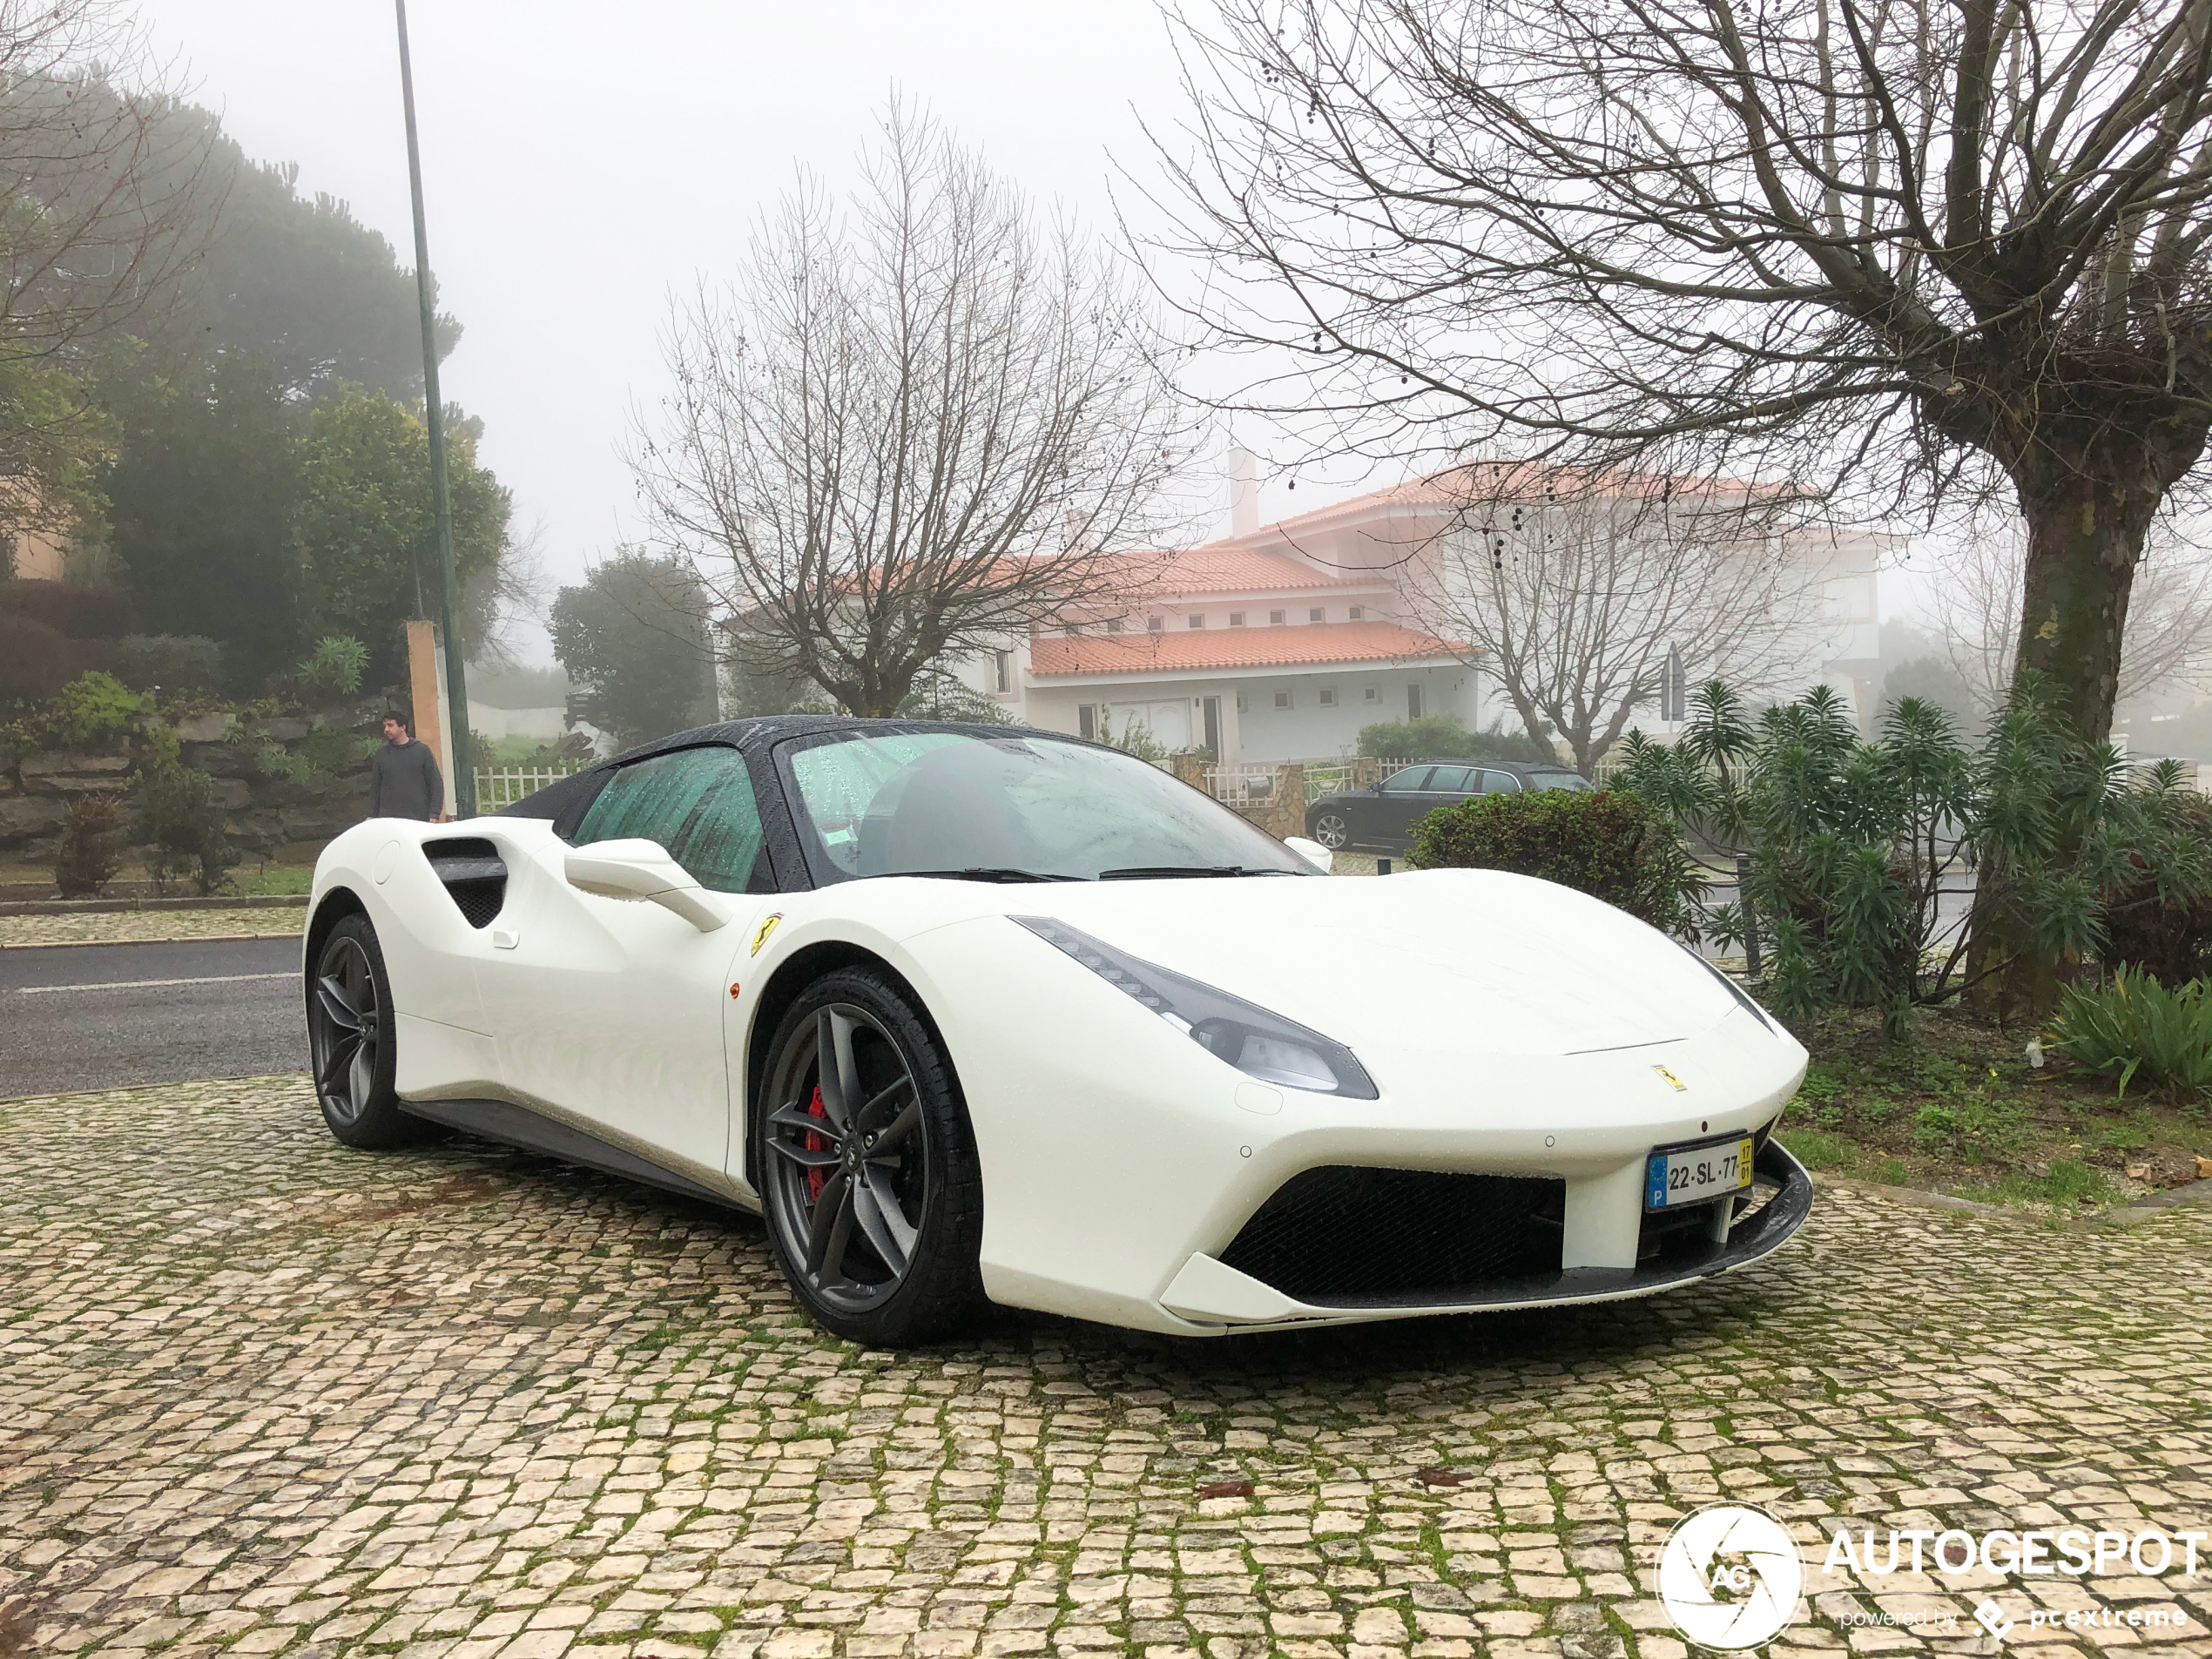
<point x="464" y="774"/>
<point x="1750" y="921"/>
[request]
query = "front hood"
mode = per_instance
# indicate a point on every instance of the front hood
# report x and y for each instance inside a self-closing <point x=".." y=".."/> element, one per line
<point x="1475" y="960"/>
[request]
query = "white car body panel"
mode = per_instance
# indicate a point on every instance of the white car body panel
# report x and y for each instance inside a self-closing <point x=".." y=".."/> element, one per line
<point x="1511" y="1027"/>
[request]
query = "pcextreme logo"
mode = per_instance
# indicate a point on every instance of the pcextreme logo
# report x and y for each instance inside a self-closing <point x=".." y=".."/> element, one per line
<point x="1730" y="1576"/>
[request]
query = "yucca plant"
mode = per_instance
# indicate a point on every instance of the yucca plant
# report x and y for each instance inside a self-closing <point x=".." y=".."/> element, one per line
<point x="2135" y="1027"/>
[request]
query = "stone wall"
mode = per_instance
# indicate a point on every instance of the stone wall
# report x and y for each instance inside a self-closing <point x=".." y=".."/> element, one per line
<point x="273" y="816"/>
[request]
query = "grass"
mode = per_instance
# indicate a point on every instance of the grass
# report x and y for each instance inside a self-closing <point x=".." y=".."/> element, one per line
<point x="275" y="880"/>
<point x="1960" y="1109"/>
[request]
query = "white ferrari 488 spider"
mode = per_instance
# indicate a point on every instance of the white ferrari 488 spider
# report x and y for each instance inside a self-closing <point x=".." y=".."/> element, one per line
<point x="978" y="1013"/>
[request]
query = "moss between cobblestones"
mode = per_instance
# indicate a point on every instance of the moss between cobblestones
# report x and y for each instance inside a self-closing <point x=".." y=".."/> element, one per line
<point x="237" y="1414"/>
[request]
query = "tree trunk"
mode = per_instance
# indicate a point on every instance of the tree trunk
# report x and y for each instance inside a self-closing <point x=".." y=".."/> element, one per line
<point x="2084" y="538"/>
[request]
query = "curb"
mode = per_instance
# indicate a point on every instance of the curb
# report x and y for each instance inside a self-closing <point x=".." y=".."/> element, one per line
<point x="102" y="944"/>
<point x="2197" y="1192"/>
<point x="113" y="907"/>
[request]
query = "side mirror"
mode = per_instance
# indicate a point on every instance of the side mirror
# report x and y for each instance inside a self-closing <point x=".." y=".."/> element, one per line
<point x="1313" y="851"/>
<point x="1375" y="788"/>
<point x="642" y="869"/>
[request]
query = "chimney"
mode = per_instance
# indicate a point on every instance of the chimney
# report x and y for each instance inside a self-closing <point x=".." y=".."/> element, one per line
<point x="1244" y="492"/>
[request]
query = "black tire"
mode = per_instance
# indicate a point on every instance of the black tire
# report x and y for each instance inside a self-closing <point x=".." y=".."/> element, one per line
<point x="351" y="1042"/>
<point x="871" y="1188"/>
<point x="1331" y="829"/>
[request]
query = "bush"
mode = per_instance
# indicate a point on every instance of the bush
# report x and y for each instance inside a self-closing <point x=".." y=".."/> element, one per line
<point x="179" y="814"/>
<point x="1441" y="737"/>
<point x="2133" y="1025"/>
<point x="2161" y="934"/>
<point x="91" y="848"/>
<point x="174" y="663"/>
<point x="90" y="709"/>
<point x="1609" y="845"/>
<point x="334" y="667"/>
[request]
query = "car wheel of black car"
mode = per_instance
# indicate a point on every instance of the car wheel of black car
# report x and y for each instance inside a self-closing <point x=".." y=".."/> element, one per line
<point x="351" y="1041"/>
<point x="867" y="1164"/>
<point x="1331" y="830"/>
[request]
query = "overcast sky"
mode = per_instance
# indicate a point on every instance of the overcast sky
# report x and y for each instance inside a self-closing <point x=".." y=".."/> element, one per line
<point x="580" y="162"/>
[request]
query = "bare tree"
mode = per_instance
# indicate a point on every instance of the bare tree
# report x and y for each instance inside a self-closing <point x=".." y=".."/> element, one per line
<point x="1975" y="610"/>
<point x="909" y="428"/>
<point x="1581" y="593"/>
<point x="104" y="207"/>
<point x="1906" y="245"/>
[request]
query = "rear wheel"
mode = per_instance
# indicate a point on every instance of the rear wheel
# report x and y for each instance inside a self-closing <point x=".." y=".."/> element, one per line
<point x="866" y="1165"/>
<point x="1332" y="831"/>
<point x="350" y="1040"/>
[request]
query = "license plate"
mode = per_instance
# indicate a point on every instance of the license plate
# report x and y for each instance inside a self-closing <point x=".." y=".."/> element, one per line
<point x="1697" y="1174"/>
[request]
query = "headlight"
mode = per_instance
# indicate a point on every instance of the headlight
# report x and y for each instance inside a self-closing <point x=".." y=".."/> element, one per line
<point x="1258" y="1044"/>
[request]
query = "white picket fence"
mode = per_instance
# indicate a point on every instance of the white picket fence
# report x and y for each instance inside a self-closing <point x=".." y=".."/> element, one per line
<point x="498" y="787"/>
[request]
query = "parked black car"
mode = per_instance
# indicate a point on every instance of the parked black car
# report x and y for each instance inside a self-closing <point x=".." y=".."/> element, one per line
<point x="1381" y="820"/>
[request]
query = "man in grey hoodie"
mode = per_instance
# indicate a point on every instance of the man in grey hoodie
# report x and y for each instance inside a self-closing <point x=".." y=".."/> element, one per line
<point x="403" y="776"/>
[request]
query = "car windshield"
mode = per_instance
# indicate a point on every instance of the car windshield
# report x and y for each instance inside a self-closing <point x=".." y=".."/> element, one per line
<point x="1007" y="807"/>
<point x="1572" y="781"/>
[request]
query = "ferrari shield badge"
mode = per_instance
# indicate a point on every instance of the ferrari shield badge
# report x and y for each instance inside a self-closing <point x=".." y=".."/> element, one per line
<point x="1680" y="1086"/>
<point x="761" y="938"/>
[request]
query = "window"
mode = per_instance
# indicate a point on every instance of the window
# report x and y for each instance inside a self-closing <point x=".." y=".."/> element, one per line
<point x="1317" y="615"/>
<point x="1282" y="699"/>
<point x="698" y="803"/>
<point x="1276" y="618"/>
<point x="1407" y="782"/>
<point x="1003" y="663"/>
<point x="1358" y="613"/>
<point x="1236" y="619"/>
<point x="1198" y="621"/>
<point x="1086" y="720"/>
<point x="1113" y="624"/>
<point x="1372" y="694"/>
<point x="1328" y="697"/>
<point x="1413" y="702"/>
<point x="1155" y="625"/>
<point x="920" y="802"/>
<point x="1454" y="780"/>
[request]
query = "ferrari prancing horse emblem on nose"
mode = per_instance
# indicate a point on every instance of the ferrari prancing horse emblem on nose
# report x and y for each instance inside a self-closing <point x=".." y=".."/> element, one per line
<point x="1680" y="1086"/>
<point x="769" y="926"/>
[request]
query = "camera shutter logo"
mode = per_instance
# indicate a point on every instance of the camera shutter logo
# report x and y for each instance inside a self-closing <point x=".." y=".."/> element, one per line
<point x="1730" y="1576"/>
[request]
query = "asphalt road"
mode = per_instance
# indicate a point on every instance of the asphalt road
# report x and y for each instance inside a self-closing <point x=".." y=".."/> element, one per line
<point x="111" y="1016"/>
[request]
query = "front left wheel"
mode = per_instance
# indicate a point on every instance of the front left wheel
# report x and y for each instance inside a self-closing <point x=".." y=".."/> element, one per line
<point x="350" y="1040"/>
<point x="866" y="1165"/>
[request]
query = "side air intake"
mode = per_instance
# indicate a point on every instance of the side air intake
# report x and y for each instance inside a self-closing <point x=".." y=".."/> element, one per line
<point x="474" y="873"/>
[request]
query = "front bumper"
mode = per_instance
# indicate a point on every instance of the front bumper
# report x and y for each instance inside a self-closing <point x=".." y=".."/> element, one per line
<point x="1675" y="1249"/>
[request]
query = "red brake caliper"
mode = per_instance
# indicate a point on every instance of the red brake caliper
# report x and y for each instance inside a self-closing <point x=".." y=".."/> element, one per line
<point x="816" y="1179"/>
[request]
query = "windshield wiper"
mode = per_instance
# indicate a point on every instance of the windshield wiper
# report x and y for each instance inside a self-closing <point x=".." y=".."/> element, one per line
<point x="987" y="872"/>
<point x="1148" y="871"/>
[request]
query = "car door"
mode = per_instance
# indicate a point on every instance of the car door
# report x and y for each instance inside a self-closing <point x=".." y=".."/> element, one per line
<point x="609" y="1012"/>
<point x="1391" y="813"/>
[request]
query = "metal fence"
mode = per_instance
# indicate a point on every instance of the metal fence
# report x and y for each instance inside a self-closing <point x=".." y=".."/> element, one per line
<point x="498" y="787"/>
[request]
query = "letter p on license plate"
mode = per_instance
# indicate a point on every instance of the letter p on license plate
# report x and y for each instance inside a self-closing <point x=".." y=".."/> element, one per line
<point x="1697" y="1174"/>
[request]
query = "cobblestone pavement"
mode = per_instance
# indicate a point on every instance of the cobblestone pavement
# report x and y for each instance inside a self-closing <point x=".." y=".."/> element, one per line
<point x="149" y="926"/>
<point x="263" y="1395"/>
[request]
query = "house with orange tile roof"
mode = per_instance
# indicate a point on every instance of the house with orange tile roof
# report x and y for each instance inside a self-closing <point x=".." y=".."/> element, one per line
<point x="1281" y="641"/>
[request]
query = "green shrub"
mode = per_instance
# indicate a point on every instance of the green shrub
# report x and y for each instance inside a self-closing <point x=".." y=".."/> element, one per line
<point x="90" y="709"/>
<point x="1441" y="737"/>
<point x="1609" y="845"/>
<point x="178" y="813"/>
<point x="334" y="667"/>
<point x="2165" y="935"/>
<point x="91" y="848"/>
<point x="2134" y="1026"/>
<point x="174" y="663"/>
